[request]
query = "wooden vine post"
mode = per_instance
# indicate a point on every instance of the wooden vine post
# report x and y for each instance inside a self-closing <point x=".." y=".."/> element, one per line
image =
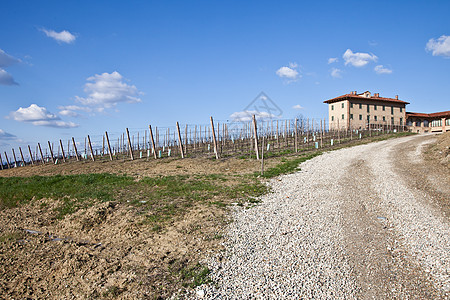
<point x="153" y="141"/>
<point x="75" y="148"/>
<point x="21" y="155"/>
<point x="214" y="138"/>
<point x="129" y="145"/>
<point x="296" y="141"/>
<point x="42" y="156"/>
<point x="255" y="132"/>
<point x="180" y="144"/>
<point x="31" y="155"/>
<point x="90" y="147"/>
<point x="7" y="161"/>
<point x="51" y="151"/>
<point x="1" y="162"/>
<point x="62" y="151"/>
<point x="15" y="160"/>
<point x="109" y="146"/>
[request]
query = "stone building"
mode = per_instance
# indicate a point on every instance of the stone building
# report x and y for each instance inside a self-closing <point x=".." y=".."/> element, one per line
<point x="363" y="111"/>
<point x="434" y="122"/>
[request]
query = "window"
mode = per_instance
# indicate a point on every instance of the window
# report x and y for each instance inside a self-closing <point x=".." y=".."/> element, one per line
<point x="351" y="105"/>
<point x="368" y="108"/>
<point x="401" y="109"/>
<point x="342" y="105"/>
<point x="368" y="118"/>
<point x="401" y="121"/>
<point x="360" y="117"/>
<point x="351" y="116"/>
<point x="332" y="118"/>
<point x="392" y="110"/>
<point x="384" y="107"/>
<point x="392" y="120"/>
<point x="375" y="118"/>
<point x="384" y="118"/>
<point x="332" y="107"/>
<point x="342" y="116"/>
<point x="436" y="123"/>
<point x="374" y="107"/>
<point x="360" y="106"/>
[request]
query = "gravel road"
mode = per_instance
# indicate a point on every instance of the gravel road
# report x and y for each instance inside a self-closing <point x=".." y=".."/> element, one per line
<point x="349" y="225"/>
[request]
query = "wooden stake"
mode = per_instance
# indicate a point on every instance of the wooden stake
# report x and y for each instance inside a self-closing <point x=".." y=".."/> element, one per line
<point x="180" y="144"/>
<point x="129" y="142"/>
<point x="262" y="157"/>
<point x="109" y="146"/>
<point x="7" y="161"/>
<point x="75" y="148"/>
<point x="214" y="138"/>
<point x="255" y="132"/>
<point x="42" y="156"/>
<point x="185" y="139"/>
<point x="153" y="141"/>
<point x="103" y="145"/>
<point x="31" y="155"/>
<point x="1" y="162"/>
<point x="21" y="155"/>
<point x="295" y="141"/>
<point x="51" y="151"/>
<point x="62" y="151"/>
<point x="90" y="147"/>
<point x="14" y="155"/>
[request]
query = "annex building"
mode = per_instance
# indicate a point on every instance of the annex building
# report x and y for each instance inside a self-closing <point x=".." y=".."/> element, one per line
<point x="366" y="110"/>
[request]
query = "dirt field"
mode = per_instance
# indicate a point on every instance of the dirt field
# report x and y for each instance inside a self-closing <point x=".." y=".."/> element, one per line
<point x="107" y="250"/>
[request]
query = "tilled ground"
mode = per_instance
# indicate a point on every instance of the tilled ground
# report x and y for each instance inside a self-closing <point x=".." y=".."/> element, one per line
<point x="368" y="222"/>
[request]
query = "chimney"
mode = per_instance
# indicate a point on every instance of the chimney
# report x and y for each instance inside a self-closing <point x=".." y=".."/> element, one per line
<point x="396" y="97"/>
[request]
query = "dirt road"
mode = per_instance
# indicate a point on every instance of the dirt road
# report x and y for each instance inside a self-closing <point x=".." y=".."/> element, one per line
<point x="367" y="222"/>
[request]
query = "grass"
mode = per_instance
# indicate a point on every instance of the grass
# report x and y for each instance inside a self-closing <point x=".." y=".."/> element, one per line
<point x="287" y="165"/>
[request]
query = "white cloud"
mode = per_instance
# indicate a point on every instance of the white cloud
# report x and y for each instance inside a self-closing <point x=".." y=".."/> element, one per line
<point x="332" y="60"/>
<point x="440" y="46"/>
<point x="380" y="69"/>
<point x="358" y="59"/>
<point x="6" y="78"/>
<point x="39" y="116"/>
<point x="298" y="107"/>
<point x="247" y="115"/>
<point x="6" y="136"/>
<point x="61" y="37"/>
<point x="71" y="110"/>
<point x="107" y="90"/>
<point x="289" y="72"/>
<point x="336" y="73"/>
<point x="7" y="60"/>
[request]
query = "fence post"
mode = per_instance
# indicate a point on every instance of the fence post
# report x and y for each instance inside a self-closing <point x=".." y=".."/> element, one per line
<point x="7" y="161"/>
<point x="129" y="145"/>
<point x="31" y="155"/>
<point x="255" y="131"/>
<point x="180" y="143"/>
<point x="15" y="160"/>
<point x="262" y="157"/>
<point x="153" y="140"/>
<point x="21" y="155"/>
<point x="1" y="162"/>
<point x="214" y="138"/>
<point x="62" y="151"/>
<point x="75" y="148"/>
<point x="109" y="146"/>
<point x="42" y="156"/>
<point x="90" y="147"/>
<point x="51" y="151"/>
<point x="296" y="140"/>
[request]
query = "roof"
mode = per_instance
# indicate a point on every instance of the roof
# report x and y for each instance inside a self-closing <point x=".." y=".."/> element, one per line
<point x="432" y="115"/>
<point x="359" y="98"/>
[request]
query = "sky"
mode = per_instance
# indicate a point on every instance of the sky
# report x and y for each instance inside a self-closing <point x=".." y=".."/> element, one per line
<point x="73" y="68"/>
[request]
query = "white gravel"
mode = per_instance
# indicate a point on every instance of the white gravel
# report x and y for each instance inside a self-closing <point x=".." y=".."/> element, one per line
<point x="290" y="246"/>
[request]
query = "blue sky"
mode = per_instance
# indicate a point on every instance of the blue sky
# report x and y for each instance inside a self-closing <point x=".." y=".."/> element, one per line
<point x="72" y="68"/>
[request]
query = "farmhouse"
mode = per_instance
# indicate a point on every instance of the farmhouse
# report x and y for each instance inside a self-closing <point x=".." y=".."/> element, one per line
<point x="435" y="122"/>
<point x="361" y="111"/>
<point x="364" y="111"/>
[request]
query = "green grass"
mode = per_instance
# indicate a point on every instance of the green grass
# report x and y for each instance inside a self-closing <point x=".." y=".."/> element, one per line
<point x="287" y="165"/>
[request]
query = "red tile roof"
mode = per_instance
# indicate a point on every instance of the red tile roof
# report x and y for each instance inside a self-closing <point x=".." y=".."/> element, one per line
<point x="432" y="115"/>
<point x="358" y="97"/>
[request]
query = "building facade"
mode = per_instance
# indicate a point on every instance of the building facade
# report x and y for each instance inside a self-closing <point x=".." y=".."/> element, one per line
<point x="422" y="123"/>
<point x="363" y="111"/>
